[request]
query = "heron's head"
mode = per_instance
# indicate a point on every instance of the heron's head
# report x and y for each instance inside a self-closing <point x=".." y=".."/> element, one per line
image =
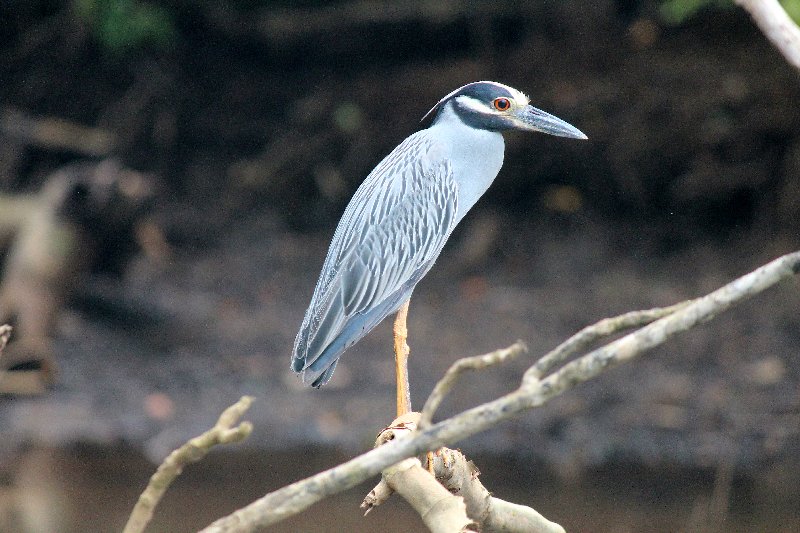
<point x="496" y="107"/>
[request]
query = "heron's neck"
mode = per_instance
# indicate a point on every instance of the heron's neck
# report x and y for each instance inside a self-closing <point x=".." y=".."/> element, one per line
<point x="476" y="156"/>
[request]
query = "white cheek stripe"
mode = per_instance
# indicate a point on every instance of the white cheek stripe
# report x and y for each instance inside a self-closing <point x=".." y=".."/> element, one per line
<point x="520" y="99"/>
<point x="474" y="105"/>
<point x="486" y="108"/>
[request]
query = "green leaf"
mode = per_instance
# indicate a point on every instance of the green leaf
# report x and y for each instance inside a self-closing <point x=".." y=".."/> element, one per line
<point x="792" y="7"/>
<point x="121" y="25"/>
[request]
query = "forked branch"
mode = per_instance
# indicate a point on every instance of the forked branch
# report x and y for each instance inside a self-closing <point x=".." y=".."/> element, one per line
<point x="223" y="432"/>
<point x="534" y="391"/>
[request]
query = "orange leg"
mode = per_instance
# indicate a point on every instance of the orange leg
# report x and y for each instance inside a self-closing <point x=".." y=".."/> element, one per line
<point x="401" y="352"/>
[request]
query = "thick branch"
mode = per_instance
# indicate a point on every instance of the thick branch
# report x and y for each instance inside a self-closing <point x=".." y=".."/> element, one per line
<point x="441" y="511"/>
<point x="298" y="496"/>
<point x="508" y="517"/>
<point x="781" y="30"/>
<point x="402" y="426"/>
<point x="460" y="476"/>
<point x="223" y="432"/>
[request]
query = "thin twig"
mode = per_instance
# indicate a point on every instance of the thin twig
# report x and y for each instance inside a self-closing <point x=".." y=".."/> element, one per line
<point x="377" y="496"/>
<point x="298" y="496"/>
<point x="599" y="330"/>
<point x="446" y="384"/>
<point x="777" y="26"/>
<point x="223" y="432"/>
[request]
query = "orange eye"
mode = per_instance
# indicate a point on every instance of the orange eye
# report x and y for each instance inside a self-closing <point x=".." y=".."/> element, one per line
<point x="502" y="104"/>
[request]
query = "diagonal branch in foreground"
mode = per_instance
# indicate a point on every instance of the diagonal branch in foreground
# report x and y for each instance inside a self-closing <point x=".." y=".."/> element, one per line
<point x="533" y="392"/>
<point x="602" y="329"/>
<point x="477" y="362"/>
<point x="555" y="357"/>
<point x="450" y="493"/>
<point x="223" y="432"/>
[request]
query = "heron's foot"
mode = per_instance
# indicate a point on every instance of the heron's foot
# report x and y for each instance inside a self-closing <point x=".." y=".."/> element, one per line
<point x="402" y="425"/>
<point x="431" y="456"/>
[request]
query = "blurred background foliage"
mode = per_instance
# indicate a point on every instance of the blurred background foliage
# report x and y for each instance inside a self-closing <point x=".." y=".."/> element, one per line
<point x="121" y="25"/>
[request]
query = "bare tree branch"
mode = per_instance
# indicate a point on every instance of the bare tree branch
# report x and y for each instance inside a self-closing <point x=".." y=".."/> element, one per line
<point x="223" y="432"/>
<point x="776" y="25"/>
<point x="377" y="496"/>
<point x="580" y="341"/>
<point x="441" y="511"/>
<point x="599" y="330"/>
<point x="401" y="426"/>
<point x="460" y="476"/>
<point x="445" y="385"/>
<point x="533" y="392"/>
<point x="450" y="470"/>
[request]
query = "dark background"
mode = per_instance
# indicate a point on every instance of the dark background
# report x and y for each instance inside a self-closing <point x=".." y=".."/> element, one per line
<point x="256" y="121"/>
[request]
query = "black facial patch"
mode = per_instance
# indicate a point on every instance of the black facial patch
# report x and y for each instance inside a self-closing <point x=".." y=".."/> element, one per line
<point x="483" y="91"/>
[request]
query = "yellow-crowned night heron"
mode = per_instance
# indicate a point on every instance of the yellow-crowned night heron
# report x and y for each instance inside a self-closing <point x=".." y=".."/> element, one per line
<point x="400" y="218"/>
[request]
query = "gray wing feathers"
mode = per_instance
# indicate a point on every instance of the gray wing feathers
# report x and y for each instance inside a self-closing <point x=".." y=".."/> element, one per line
<point x="389" y="236"/>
